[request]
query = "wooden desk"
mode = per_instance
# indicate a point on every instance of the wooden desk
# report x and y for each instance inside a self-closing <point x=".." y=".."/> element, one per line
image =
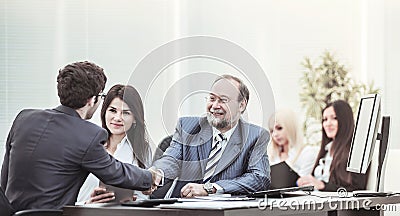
<point x="329" y="207"/>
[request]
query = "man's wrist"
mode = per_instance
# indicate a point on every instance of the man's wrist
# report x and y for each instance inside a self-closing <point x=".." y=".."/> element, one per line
<point x="159" y="175"/>
<point x="162" y="177"/>
<point x="209" y="188"/>
<point x="218" y="188"/>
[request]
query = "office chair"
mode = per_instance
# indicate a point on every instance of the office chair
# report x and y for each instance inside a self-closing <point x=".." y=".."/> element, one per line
<point x="164" y="144"/>
<point x="160" y="192"/>
<point x="39" y="212"/>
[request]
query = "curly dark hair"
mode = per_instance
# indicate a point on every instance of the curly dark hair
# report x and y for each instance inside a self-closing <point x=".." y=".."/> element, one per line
<point x="79" y="81"/>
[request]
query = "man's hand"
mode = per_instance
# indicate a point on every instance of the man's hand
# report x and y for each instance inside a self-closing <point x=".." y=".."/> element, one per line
<point x="193" y="189"/>
<point x="156" y="176"/>
<point x="101" y="195"/>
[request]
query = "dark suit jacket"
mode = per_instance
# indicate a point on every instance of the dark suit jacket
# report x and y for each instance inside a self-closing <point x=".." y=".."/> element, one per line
<point x="49" y="154"/>
<point x="243" y="167"/>
<point x="5" y="206"/>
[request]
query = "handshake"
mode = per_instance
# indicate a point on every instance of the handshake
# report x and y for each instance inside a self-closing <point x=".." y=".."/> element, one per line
<point x="102" y="195"/>
<point x="156" y="180"/>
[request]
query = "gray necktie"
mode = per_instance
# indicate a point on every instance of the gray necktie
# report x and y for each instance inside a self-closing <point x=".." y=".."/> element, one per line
<point x="213" y="158"/>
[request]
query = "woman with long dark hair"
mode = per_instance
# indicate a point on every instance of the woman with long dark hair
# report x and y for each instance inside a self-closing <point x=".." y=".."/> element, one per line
<point x="122" y="115"/>
<point x="123" y="103"/>
<point x="330" y="168"/>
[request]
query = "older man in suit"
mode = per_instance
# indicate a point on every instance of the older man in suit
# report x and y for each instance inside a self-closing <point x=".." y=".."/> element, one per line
<point x="220" y="153"/>
<point x="49" y="153"/>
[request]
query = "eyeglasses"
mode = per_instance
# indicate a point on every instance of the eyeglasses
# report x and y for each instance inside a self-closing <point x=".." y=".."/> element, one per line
<point x="102" y="95"/>
<point x="213" y="98"/>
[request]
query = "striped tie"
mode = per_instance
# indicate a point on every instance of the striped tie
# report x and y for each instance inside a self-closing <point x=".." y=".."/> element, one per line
<point x="213" y="158"/>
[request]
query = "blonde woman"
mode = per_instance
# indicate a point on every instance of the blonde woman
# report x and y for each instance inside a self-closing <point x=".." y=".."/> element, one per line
<point x="287" y="145"/>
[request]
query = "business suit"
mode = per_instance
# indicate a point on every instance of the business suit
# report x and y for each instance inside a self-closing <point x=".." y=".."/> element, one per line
<point x="49" y="154"/>
<point x="243" y="167"/>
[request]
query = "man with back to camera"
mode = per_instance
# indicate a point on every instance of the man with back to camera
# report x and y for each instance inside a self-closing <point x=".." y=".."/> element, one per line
<point x="220" y="153"/>
<point x="49" y="153"/>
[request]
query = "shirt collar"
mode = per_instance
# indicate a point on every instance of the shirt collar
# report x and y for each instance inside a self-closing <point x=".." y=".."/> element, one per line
<point x="123" y="142"/>
<point x="227" y="134"/>
<point x="125" y="139"/>
<point x="328" y="147"/>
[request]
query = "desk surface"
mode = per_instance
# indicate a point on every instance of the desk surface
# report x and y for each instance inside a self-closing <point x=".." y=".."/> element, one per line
<point x="305" y="205"/>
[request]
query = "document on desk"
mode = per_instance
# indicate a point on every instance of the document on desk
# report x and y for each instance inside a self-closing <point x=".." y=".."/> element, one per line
<point x="208" y="204"/>
<point x="224" y="198"/>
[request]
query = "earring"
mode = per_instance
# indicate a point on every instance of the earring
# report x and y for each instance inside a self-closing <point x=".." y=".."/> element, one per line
<point x="134" y="125"/>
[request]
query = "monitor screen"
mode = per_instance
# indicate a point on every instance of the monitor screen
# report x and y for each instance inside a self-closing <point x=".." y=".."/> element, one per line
<point x="365" y="134"/>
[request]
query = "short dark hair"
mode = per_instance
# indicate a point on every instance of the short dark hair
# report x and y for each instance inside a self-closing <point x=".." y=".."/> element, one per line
<point x="79" y="81"/>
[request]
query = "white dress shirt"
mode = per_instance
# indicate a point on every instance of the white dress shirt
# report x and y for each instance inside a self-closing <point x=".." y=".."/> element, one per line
<point x="322" y="171"/>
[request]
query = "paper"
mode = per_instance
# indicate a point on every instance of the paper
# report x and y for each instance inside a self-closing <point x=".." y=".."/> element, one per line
<point x="207" y="204"/>
<point x="224" y="198"/>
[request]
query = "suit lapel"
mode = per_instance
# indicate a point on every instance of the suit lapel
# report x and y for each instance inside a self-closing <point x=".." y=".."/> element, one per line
<point x="205" y="138"/>
<point x="232" y="149"/>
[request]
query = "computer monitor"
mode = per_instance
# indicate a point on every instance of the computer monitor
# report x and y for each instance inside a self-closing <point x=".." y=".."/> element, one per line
<point x="365" y="135"/>
<point x="365" y="132"/>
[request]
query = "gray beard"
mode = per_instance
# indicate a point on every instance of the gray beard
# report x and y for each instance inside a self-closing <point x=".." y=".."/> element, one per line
<point x="217" y="123"/>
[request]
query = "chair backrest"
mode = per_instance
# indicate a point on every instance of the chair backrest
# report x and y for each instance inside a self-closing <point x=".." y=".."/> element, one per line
<point x="160" y="192"/>
<point x="392" y="177"/>
<point x="164" y="144"/>
<point x="5" y="206"/>
<point x="39" y="212"/>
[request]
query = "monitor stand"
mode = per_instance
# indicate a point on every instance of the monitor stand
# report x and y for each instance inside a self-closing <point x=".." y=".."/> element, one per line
<point x="383" y="136"/>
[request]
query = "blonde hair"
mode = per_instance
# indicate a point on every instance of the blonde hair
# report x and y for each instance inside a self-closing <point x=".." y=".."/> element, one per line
<point x="288" y="120"/>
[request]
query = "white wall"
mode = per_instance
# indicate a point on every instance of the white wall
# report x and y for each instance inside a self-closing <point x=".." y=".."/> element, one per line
<point x="39" y="37"/>
<point x="391" y="68"/>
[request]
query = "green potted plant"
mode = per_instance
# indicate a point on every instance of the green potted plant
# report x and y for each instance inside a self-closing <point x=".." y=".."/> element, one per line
<point x="324" y="82"/>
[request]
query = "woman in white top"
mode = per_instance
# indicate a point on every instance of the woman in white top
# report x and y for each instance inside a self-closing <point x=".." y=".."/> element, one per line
<point x="287" y="145"/>
<point x="122" y="115"/>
